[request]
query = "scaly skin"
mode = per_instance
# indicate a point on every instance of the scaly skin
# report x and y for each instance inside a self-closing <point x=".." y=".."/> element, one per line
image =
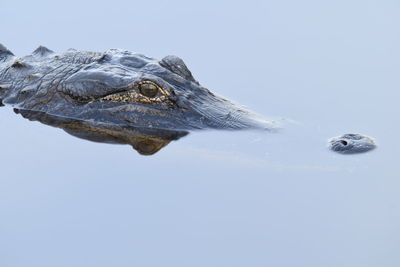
<point x="117" y="87"/>
<point x="97" y="96"/>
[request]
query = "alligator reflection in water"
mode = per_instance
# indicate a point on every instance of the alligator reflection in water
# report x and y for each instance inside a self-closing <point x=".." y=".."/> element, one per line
<point x="146" y="141"/>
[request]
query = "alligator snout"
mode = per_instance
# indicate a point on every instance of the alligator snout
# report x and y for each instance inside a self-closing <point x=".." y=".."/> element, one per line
<point x="352" y="143"/>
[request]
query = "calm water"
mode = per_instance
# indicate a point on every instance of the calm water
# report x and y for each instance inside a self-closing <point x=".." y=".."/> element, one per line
<point x="216" y="198"/>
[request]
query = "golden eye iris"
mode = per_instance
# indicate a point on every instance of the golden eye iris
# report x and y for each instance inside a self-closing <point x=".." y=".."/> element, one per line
<point x="148" y="89"/>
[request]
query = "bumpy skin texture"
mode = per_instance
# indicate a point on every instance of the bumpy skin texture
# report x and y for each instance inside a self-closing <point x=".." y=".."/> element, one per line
<point x="96" y="96"/>
<point x="352" y="144"/>
<point x="108" y="88"/>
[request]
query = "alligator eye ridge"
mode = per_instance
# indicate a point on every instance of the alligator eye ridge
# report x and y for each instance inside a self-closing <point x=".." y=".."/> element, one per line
<point x="148" y="89"/>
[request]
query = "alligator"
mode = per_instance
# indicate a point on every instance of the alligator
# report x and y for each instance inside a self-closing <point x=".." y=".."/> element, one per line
<point x="117" y="87"/>
<point x="123" y="94"/>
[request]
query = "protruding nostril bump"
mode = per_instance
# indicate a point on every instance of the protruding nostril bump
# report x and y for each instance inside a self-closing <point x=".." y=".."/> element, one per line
<point x="352" y="143"/>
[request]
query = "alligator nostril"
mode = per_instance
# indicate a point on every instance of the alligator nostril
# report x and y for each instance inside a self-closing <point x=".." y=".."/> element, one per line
<point x="351" y="144"/>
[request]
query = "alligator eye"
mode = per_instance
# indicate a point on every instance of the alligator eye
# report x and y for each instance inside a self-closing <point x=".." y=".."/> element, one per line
<point x="343" y="142"/>
<point x="148" y="89"/>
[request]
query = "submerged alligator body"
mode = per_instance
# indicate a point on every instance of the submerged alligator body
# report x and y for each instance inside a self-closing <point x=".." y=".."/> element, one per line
<point x="117" y="87"/>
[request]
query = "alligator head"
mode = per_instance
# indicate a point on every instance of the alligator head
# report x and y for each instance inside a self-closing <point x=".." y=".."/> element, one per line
<point x="121" y="88"/>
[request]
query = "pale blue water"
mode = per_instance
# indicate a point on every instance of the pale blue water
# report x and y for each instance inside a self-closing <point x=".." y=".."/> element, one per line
<point x="216" y="198"/>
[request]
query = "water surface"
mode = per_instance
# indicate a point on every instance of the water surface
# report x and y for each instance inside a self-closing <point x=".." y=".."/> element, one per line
<point x="216" y="198"/>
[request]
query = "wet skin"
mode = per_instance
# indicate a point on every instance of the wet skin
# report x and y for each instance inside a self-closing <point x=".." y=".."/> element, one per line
<point x="120" y="88"/>
<point x="120" y="96"/>
<point x="352" y="144"/>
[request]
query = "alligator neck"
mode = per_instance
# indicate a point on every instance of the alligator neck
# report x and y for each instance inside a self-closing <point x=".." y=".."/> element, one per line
<point x="6" y="57"/>
<point x="4" y="89"/>
<point x="5" y="79"/>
